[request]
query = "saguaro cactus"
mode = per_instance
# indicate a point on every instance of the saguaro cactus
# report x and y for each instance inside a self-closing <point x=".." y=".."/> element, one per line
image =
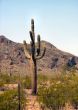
<point x="34" y="55"/>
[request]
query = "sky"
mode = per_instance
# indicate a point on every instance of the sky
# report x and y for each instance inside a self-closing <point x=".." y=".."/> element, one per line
<point x="55" y="20"/>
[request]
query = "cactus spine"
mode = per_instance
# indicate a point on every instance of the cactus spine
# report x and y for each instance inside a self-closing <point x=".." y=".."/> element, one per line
<point x="34" y="56"/>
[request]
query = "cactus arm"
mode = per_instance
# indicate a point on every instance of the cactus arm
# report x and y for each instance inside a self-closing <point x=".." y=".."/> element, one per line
<point x="31" y="36"/>
<point x="32" y="25"/>
<point x="42" y="55"/>
<point x="39" y="45"/>
<point x="26" y="51"/>
<point x="32" y="29"/>
<point x="32" y="50"/>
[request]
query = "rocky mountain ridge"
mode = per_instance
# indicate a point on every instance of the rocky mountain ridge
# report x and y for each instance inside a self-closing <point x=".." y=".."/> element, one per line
<point x="12" y="58"/>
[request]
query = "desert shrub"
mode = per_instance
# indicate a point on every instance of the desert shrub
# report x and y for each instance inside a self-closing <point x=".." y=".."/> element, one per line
<point x="61" y="90"/>
<point x="42" y="78"/>
<point x="74" y="91"/>
<point x="1" y="84"/>
<point x="5" y="78"/>
<point x="9" y="100"/>
<point x="26" y="82"/>
<point x="52" y="97"/>
<point x="74" y="99"/>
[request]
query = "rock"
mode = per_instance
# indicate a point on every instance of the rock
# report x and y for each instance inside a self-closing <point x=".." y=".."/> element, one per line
<point x="71" y="62"/>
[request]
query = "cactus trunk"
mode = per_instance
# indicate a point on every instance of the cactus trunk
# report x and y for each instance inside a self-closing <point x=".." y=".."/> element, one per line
<point x="34" y="78"/>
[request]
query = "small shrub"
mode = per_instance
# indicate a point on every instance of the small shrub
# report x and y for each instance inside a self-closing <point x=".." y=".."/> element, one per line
<point x="9" y="100"/>
<point x="5" y="78"/>
<point x="26" y="82"/>
<point x="61" y="90"/>
<point x="52" y="97"/>
<point x="42" y="79"/>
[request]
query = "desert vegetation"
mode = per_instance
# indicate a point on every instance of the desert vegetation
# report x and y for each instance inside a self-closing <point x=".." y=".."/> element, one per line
<point x="9" y="93"/>
<point x="9" y="100"/>
<point x="53" y="91"/>
<point x="58" y="92"/>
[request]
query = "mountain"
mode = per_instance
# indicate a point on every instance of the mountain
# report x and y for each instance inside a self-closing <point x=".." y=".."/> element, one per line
<point x="13" y="61"/>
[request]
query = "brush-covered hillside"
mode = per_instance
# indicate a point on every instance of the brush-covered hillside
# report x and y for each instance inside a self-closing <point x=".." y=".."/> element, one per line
<point x="12" y="58"/>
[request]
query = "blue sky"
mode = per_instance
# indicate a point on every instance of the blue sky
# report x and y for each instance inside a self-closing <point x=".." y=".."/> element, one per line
<point x="55" y="20"/>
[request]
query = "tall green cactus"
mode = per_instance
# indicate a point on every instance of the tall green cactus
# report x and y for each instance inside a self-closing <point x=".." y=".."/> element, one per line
<point x="34" y="55"/>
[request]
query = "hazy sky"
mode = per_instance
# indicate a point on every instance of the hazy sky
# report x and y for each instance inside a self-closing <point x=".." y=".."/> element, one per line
<point x="55" y="20"/>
